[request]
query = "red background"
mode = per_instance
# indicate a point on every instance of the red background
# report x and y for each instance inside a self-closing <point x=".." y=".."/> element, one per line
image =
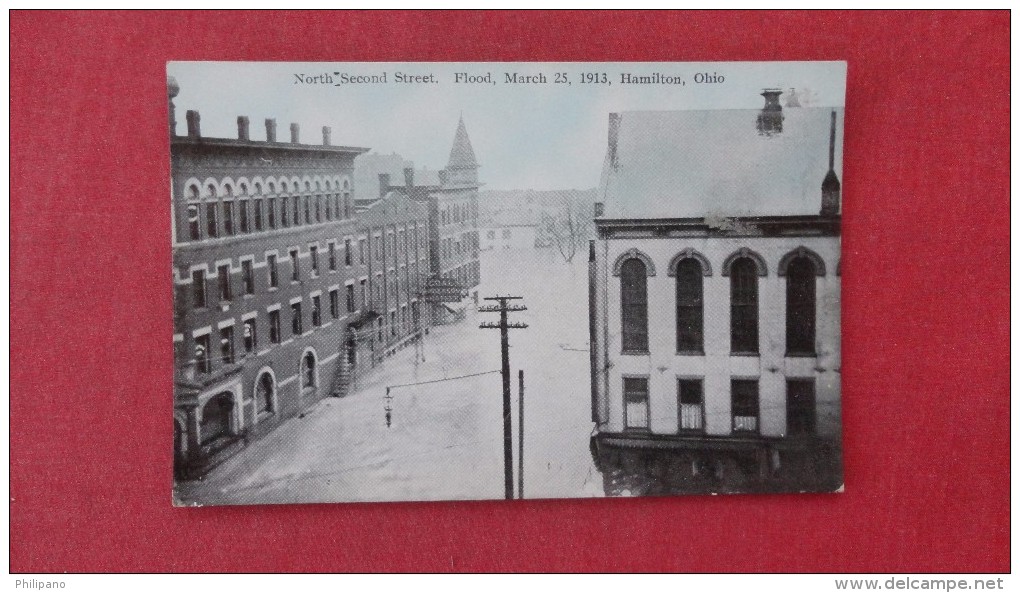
<point x="925" y="305"/>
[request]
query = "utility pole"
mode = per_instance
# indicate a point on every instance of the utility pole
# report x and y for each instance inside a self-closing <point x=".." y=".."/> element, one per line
<point x="504" y="325"/>
<point x="520" y="434"/>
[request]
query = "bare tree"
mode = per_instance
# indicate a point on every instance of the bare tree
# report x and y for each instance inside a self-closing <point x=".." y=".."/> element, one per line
<point x="568" y="225"/>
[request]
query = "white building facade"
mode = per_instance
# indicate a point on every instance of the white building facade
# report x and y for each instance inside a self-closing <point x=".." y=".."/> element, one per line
<point x="715" y="325"/>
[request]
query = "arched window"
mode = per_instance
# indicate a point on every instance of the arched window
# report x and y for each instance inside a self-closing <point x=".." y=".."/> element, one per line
<point x="744" y="306"/>
<point x="194" y="224"/>
<point x="800" y="307"/>
<point x="689" y="307"/>
<point x="308" y="371"/>
<point x="634" y="300"/>
<point x="264" y="394"/>
<point x="212" y="229"/>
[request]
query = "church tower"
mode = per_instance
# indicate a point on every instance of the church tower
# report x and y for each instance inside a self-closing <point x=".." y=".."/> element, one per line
<point x="462" y="168"/>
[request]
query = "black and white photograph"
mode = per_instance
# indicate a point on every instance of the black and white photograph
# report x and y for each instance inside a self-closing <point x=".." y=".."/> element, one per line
<point x="466" y="281"/>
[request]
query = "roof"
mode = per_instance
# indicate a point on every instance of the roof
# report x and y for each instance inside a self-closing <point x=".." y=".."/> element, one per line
<point x="462" y="156"/>
<point x="679" y="164"/>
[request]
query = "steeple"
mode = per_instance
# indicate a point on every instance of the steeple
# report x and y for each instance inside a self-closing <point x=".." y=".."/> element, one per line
<point x="462" y="156"/>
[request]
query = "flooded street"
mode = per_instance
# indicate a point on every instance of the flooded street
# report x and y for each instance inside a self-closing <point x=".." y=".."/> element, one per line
<point x="444" y="439"/>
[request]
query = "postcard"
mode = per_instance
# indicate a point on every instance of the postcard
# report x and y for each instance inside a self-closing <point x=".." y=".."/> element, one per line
<point x="462" y="281"/>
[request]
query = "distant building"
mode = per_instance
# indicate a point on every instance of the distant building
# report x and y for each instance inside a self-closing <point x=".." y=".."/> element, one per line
<point x="392" y="262"/>
<point x="452" y="199"/>
<point x="715" y="299"/>
<point x="508" y="231"/>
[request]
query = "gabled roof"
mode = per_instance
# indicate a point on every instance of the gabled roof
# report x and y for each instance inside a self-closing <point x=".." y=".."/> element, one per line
<point x="462" y="156"/>
<point x="679" y="164"/>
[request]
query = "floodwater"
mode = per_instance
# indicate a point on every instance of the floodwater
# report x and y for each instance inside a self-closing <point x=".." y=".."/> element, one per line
<point x="444" y="438"/>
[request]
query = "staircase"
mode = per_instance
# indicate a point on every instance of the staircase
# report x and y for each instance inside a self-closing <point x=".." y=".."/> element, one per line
<point x="343" y="377"/>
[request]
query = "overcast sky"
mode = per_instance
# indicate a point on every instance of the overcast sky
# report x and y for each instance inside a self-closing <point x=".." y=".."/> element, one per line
<point x="527" y="136"/>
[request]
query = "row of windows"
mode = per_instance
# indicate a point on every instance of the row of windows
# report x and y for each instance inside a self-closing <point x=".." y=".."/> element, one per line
<point x="227" y="217"/>
<point x="744" y="405"/>
<point x="225" y="286"/>
<point x="467" y="243"/>
<point x="800" y="271"/>
<point x="458" y="213"/>
<point x="339" y="302"/>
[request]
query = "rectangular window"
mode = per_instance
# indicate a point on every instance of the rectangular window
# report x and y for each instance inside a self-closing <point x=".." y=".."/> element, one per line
<point x="332" y="256"/>
<point x="295" y="265"/>
<point x="347" y="252"/>
<point x="297" y="210"/>
<point x="274" y="327"/>
<point x="271" y="212"/>
<point x="248" y="276"/>
<point x="744" y="394"/>
<point x="274" y="280"/>
<point x="800" y="407"/>
<point x="223" y="275"/>
<point x="245" y="219"/>
<point x="257" y="210"/>
<point x="295" y="319"/>
<point x="228" y="218"/>
<point x="210" y="218"/>
<point x="635" y="398"/>
<point x="316" y="311"/>
<point x="203" y="357"/>
<point x="393" y="323"/>
<point x="227" y="345"/>
<point x="692" y="416"/>
<point x="364" y="293"/>
<point x="314" y="252"/>
<point x="250" y="339"/>
<point x="198" y="294"/>
<point x="194" y="228"/>
<point x="334" y="303"/>
<point x="378" y="247"/>
<point x="308" y="210"/>
<point x="350" y="298"/>
<point x="285" y="211"/>
<point x="361" y="251"/>
<point x="318" y="208"/>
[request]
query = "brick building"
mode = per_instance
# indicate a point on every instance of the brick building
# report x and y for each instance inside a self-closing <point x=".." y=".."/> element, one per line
<point x="452" y="201"/>
<point x="714" y="293"/>
<point x="264" y="257"/>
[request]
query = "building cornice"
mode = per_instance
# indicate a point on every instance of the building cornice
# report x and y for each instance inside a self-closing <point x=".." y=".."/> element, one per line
<point x="286" y="147"/>
<point x="736" y="226"/>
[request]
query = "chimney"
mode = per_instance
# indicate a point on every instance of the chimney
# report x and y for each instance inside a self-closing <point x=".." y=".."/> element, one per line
<point x="242" y="127"/>
<point x="770" y="118"/>
<point x="614" y="134"/>
<point x="194" y="125"/>
<point x="442" y="177"/>
<point x="384" y="184"/>
<point x="295" y="134"/>
<point x="830" y="185"/>
<point x="326" y="133"/>
<point x="270" y="130"/>
<point x="600" y="209"/>
<point x="409" y="176"/>
<point x="172" y="89"/>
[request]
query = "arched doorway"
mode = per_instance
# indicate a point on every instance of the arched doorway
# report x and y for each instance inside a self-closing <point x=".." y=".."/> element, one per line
<point x="265" y="391"/>
<point x="216" y="417"/>
<point x="309" y="375"/>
